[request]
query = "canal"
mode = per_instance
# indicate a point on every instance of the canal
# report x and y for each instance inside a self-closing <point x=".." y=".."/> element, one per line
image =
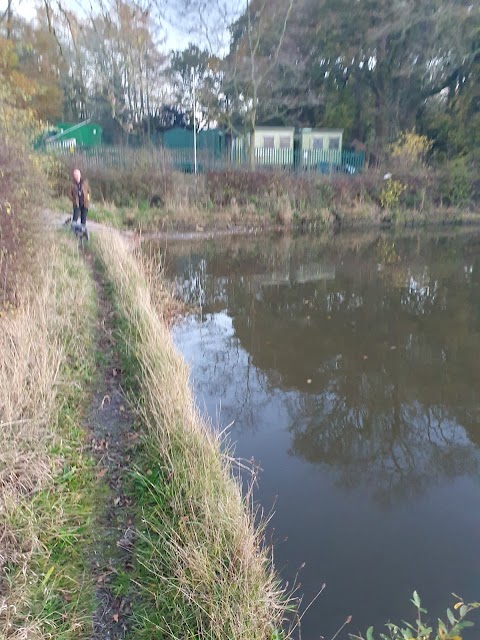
<point x="346" y="370"/>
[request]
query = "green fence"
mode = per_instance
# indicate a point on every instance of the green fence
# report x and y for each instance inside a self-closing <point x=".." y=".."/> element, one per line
<point x="325" y="162"/>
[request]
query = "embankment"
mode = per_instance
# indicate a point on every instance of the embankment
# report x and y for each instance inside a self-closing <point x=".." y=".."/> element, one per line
<point x="159" y="199"/>
<point x="201" y="567"/>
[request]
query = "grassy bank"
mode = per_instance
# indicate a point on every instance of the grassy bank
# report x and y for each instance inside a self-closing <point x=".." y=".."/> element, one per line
<point x="151" y="199"/>
<point x="200" y="564"/>
<point x="47" y="481"/>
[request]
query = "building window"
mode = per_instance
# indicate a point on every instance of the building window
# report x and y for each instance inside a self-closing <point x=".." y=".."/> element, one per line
<point x="317" y="144"/>
<point x="285" y="142"/>
<point x="268" y="142"/>
<point x="334" y="144"/>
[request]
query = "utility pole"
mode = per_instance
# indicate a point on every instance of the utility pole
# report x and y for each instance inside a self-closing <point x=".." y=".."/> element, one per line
<point x="194" y="123"/>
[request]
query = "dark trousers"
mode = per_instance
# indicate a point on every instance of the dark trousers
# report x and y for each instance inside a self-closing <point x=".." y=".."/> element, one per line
<point x="82" y="212"/>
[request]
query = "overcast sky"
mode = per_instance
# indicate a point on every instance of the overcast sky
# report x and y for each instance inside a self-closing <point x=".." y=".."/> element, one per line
<point x="176" y="37"/>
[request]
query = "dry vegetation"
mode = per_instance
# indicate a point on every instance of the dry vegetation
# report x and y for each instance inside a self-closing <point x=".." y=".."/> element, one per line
<point x="158" y="198"/>
<point x="44" y="366"/>
<point x="201" y="563"/>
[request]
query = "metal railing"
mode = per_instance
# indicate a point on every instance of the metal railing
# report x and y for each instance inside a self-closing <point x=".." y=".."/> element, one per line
<point x="325" y="162"/>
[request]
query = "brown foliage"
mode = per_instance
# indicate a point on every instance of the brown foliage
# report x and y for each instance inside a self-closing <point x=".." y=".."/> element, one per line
<point x="123" y="187"/>
<point x="16" y="225"/>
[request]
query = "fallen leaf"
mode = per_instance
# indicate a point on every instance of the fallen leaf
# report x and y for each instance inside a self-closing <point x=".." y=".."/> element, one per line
<point x="125" y="543"/>
<point x="102" y="473"/>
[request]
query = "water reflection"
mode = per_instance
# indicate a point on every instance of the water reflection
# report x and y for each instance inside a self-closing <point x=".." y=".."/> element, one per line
<point x="381" y="344"/>
<point x="358" y="357"/>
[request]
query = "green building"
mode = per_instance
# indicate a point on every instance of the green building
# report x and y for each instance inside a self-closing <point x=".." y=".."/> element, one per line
<point x="210" y="140"/>
<point x="71" y="136"/>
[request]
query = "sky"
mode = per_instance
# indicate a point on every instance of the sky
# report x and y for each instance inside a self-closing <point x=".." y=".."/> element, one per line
<point x="175" y="38"/>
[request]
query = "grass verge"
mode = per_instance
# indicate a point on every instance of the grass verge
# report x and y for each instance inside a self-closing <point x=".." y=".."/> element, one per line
<point x="200" y="562"/>
<point x="48" y="484"/>
<point x="155" y="199"/>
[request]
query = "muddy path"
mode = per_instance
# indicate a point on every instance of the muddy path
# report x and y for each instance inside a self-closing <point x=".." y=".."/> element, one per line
<point x="110" y="428"/>
<point x="59" y="220"/>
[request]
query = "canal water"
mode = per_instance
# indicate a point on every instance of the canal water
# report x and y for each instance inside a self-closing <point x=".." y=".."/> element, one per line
<point x="348" y="369"/>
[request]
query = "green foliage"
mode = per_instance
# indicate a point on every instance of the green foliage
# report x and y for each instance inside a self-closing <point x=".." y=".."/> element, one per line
<point x="456" y="187"/>
<point x="391" y="192"/>
<point x="454" y="124"/>
<point x="450" y="629"/>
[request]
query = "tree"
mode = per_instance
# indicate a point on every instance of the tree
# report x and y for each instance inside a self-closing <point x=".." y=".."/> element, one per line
<point x="129" y="65"/>
<point x="391" y="56"/>
<point x="26" y="69"/>
<point x="208" y="80"/>
<point x="257" y="38"/>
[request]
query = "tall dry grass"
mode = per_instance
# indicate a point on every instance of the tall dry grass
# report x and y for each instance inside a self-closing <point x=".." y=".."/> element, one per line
<point x="37" y="341"/>
<point x="206" y="571"/>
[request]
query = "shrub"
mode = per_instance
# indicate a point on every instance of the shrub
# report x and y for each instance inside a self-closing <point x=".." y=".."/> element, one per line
<point x="22" y="186"/>
<point x="449" y="629"/>
<point x="124" y="187"/>
<point x="410" y="151"/>
<point x="391" y="192"/>
<point x="225" y="186"/>
<point x="457" y="183"/>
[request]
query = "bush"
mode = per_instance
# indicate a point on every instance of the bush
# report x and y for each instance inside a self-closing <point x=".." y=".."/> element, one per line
<point x="22" y="187"/>
<point x="303" y="192"/>
<point x="391" y="192"/>
<point x="124" y="187"/>
<point x="410" y="151"/>
<point x="223" y="187"/>
<point x="449" y="629"/>
<point x="457" y="183"/>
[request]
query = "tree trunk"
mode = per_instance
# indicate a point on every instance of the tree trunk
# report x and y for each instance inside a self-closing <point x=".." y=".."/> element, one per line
<point x="380" y="95"/>
<point x="359" y="126"/>
<point x="380" y="121"/>
<point x="253" y="122"/>
<point x="9" y="20"/>
<point x="251" y="160"/>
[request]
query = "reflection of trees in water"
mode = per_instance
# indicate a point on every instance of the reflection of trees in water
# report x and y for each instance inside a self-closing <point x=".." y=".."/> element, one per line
<point x="394" y="372"/>
<point x="399" y="450"/>
<point x="391" y="352"/>
<point x="226" y="373"/>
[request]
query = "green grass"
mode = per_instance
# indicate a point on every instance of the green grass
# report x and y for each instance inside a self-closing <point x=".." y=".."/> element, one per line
<point x="201" y="569"/>
<point x="55" y="526"/>
<point x="109" y="215"/>
<point x="66" y="515"/>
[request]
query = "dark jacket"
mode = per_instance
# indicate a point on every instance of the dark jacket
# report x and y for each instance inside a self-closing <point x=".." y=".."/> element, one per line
<point x="73" y="193"/>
